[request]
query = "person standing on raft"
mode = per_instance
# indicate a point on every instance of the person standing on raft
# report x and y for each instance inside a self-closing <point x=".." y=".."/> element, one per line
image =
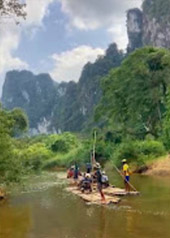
<point x="88" y="168"/>
<point x="126" y="174"/>
<point x="99" y="181"/>
<point x="76" y="172"/>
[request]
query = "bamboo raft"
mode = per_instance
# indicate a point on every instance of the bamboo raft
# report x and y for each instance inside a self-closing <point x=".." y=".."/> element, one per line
<point x="94" y="197"/>
<point x="112" y="194"/>
<point x="113" y="191"/>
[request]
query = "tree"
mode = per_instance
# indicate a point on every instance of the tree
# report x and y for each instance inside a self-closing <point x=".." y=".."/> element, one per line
<point x="12" y="8"/>
<point x="10" y="123"/>
<point x="20" y="122"/>
<point x="134" y="94"/>
<point x="166" y="123"/>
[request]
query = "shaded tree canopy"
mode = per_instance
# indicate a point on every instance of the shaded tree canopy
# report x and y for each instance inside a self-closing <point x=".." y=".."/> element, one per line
<point x="12" y="8"/>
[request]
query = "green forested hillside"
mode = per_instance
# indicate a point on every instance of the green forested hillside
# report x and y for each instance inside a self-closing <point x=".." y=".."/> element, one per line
<point x="133" y="122"/>
<point x="134" y="95"/>
<point x="59" y="107"/>
<point x="74" y="111"/>
<point x="135" y="105"/>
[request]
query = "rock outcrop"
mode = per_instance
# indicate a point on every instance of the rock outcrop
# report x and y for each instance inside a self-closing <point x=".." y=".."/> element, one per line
<point x="53" y="107"/>
<point x="156" y="24"/>
<point x="70" y="106"/>
<point x="134" y="29"/>
<point x="33" y="93"/>
<point x="149" y="26"/>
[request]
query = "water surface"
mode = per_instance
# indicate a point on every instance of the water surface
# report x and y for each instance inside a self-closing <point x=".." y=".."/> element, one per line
<point x="44" y="210"/>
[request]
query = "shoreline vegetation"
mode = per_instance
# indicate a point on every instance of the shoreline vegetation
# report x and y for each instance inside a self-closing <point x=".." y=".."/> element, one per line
<point x="132" y="122"/>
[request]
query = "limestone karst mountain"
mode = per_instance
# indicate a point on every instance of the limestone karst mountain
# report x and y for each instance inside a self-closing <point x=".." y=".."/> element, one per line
<point x="59" y="107"/>
<point x="70" y="106"/>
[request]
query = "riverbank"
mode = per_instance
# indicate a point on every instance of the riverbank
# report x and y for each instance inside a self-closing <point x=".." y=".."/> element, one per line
<point x="159" y="167"/>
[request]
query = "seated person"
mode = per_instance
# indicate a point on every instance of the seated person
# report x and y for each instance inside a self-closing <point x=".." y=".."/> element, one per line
<point x="86" y="183"/>
<point x="70" y="172"/>
<point x="105" y="180"/>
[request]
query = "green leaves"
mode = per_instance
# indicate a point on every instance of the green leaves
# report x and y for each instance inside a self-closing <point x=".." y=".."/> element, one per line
<point x="134" y="94"/>
<point x="10" y="123"/>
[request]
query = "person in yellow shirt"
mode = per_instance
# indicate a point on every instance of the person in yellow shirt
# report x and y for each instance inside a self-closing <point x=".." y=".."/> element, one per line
<point x="126" y="174"/>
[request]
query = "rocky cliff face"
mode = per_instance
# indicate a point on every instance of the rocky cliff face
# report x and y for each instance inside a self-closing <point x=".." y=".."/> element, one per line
<point x="156" y="23"/>
<point x="34" y="94"/>
<point x="134" y="29"/>
<point x="80" y="98"/>
<point x="155" y="33"/>
<point x="60" y="107"/>
<point x="151" y="26"/>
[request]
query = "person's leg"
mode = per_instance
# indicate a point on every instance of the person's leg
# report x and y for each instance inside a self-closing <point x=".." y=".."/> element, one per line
<point x="101" y="192"/>
<point x="127" y="184"/>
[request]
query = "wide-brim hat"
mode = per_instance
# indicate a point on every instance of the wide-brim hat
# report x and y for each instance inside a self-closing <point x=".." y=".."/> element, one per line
<point x="97" y="166"/>
<point x="88" y="175"/>
<point x="124" y="161"/>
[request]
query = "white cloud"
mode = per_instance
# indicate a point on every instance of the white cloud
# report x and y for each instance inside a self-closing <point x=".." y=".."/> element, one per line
<point x="93" y="14"/>
<point x="10" y="34"/>
<point x="118" y="34"/>
<point x="69" y="64"/>
<point x="9" y="39"/>
<point x="36" y="10"/>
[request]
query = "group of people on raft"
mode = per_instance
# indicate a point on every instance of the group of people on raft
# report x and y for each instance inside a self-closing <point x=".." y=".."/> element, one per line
<point x="96" y="176"/>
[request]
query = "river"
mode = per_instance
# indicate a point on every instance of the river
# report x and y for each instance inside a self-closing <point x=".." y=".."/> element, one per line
<point x="42" y="209"/>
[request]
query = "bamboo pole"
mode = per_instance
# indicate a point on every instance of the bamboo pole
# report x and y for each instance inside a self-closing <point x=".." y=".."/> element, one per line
<point x="124" y="178"/>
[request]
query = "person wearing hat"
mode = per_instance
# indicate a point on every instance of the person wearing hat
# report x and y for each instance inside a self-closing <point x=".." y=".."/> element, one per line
<point x="126" y="174"/>
<point x="99" y="180"/>
<point x="86" y="183"/>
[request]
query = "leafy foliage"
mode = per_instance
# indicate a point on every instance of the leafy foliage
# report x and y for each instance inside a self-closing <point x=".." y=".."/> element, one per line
<point x="138" y="151"/>
<point x="10" y="166"/>
<point x="166" y="124"/>
<point x="134" y="95"/>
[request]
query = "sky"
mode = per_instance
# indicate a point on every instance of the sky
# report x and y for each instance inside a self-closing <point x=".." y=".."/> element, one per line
<point x="60" y="36"/>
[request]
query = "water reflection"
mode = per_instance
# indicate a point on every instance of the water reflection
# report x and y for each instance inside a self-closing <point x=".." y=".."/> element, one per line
<point x="103" y="223"/>
<point x="52" y="213"/>
<point x="14" y="222"/>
